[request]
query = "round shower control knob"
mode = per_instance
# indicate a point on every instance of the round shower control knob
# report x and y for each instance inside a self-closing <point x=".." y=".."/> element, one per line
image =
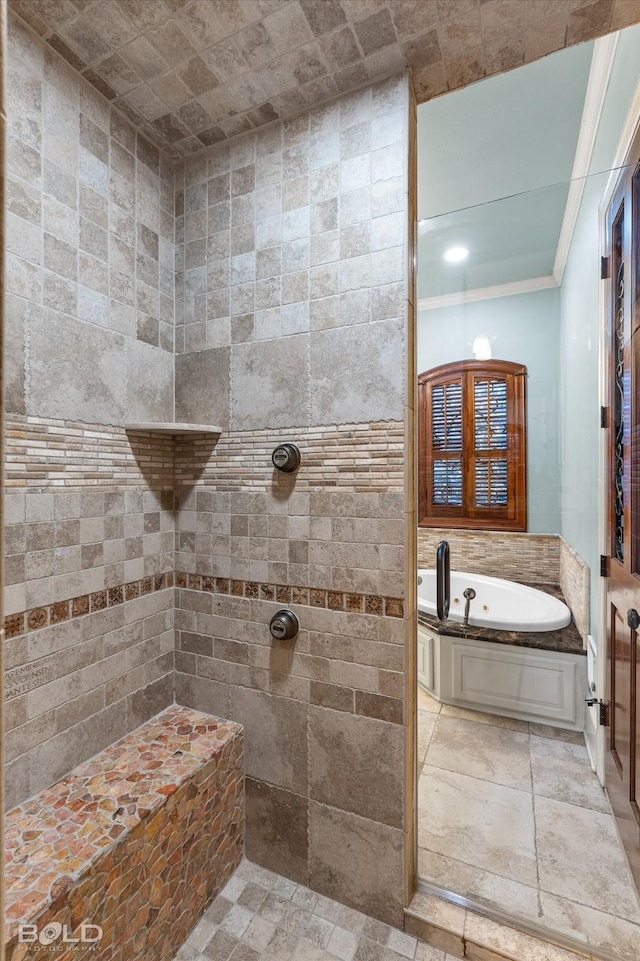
<point x="286" y="457"/>
<point x="284" y="625"/>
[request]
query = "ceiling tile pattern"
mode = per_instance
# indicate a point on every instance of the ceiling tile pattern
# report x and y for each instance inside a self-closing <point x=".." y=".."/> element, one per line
<point x="191" y="73"/>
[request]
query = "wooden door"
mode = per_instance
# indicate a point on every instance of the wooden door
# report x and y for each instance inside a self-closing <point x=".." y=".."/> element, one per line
<point x="622" y="767"/>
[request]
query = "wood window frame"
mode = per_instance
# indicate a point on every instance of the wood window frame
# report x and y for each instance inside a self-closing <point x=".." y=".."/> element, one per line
<point x="513" y="517"/>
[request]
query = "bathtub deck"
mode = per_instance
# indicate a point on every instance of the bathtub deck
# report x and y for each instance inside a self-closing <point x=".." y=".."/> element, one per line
<point x="508" y="814"/>
<point x="565" y="640"/>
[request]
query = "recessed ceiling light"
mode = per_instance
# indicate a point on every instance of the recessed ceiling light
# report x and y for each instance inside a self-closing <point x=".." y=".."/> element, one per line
<point x="455" y="255"/>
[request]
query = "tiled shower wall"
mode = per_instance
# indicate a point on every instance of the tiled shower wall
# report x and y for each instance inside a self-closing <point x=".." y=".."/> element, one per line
<point x="291" y="324"/>
<point x="89" y="347"/>
<point x="294" y="327"/>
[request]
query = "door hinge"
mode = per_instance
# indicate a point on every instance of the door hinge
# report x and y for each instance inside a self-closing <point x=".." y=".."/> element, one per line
<point x="603" y="711"/>
<point x="604" y="416"/>
<point x="604" y="565"/>
<point x="604" y="268"/>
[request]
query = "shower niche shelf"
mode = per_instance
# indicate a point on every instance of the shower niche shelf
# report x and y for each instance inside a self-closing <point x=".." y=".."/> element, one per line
<point x="176" y="430"/>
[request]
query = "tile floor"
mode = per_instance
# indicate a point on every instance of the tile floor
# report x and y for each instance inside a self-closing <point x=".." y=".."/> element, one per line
<point x="511" y="815"/>
<point x="261" y="916"/>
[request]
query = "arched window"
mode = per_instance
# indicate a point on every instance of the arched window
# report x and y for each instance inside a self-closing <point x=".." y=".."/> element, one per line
<point x="472" y="446"/>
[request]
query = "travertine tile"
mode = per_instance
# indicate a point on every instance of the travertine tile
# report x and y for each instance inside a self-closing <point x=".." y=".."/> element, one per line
<point x="265" y="62"/>
<point x="123" y="293"/>
<point x="356" y="880"/>
<point x="270" y="383"/>
<point x="202" y="387"/>
<point x="15" y="326"/>
<point x="485" y="936"/>
<point x="479" y="717"/>
<point x="481" y="884"/>
<point x="286" y="720"/>
<point x="150" y="376"/>
<point x="496" y="822"/>
<point x="561" y="771"/>
<point x="277" y="829"/>
<point x="428" y="703"/>
<point x="350" y="356"/>
<point x="481" y="751"/>
<point x="597" y="929"/>
<point x="85" y="363"/>
<point x="532" y="558"/>
<point x="438" y="922"/>
<point x="340" y="769"/>
<point x="426" y="727"/>
<point x="572" y="809"/>
<point x="563" y="832"/>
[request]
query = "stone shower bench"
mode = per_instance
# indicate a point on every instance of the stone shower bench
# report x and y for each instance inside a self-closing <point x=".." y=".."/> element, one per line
<point x="138" y="840"/>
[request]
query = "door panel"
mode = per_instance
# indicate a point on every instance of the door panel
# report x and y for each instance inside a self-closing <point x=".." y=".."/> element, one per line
<point x="622" y="769"/>
<point x="619" y="711"/>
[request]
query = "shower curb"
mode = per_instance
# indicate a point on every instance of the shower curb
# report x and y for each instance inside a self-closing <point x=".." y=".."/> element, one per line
<point x="472" y="936"/>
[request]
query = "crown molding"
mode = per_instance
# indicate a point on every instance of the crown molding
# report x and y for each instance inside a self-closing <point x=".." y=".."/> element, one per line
<point x="629" y="130"/>
<point x="599" y="75"/>
<point x="488" y="293"/>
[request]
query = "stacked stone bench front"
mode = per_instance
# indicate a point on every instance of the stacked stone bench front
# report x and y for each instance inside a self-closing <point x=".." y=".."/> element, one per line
<point x="121" y="857"/>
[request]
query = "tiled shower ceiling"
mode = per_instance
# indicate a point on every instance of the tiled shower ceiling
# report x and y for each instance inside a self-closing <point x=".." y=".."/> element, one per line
<point x="191" y="73"/>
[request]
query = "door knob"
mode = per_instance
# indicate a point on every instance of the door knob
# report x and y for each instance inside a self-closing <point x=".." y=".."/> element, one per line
<point x="633" y="619"/>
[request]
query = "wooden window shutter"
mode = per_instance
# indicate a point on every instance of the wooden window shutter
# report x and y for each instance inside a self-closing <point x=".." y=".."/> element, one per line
<point x="472" y="446"/>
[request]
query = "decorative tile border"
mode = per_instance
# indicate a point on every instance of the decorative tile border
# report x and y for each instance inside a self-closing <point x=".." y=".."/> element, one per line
<point x="350" y="603"/>
<point x="56" y="613"/>
<point x="45" y="453"/>
<point x="345" y="457"/>
<point x="60" y="611"/>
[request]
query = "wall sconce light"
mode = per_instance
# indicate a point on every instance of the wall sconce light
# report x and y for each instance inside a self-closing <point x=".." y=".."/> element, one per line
<point x="481" y="347"/>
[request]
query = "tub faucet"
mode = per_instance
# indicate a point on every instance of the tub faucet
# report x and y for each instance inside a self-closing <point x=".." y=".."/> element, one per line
<point x="468" y="595"/>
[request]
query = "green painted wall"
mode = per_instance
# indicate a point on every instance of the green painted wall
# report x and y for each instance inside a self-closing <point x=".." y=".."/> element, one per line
<point x="524" y="328"/>
<point x="579" y="304"/>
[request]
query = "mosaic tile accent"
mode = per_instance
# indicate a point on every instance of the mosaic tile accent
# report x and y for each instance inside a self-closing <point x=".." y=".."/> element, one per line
<point x="533" y="558"/>
<point x="575" y="579"/>
<point x="54" y="453"/>
<point x="359" y="457"/>
<point x="43" y="453"/>
<point x="193" y="74"/>
<point x="118" y="838"/>
<point x="40" y="617"/>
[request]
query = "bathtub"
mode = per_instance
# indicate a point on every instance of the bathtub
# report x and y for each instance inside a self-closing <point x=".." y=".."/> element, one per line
<point x="497" y="675"/>
<point x="502" y="605"/>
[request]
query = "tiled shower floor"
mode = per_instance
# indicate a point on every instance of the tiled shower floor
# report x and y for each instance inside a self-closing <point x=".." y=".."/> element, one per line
<point x="511" y="815"/>
<point x="260" y="916"/>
